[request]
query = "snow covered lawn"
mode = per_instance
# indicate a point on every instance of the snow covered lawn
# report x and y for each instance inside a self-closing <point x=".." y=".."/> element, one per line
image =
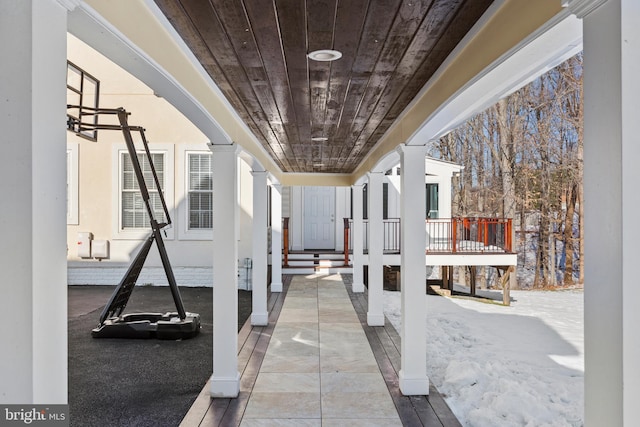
<point x="521" y="365"/>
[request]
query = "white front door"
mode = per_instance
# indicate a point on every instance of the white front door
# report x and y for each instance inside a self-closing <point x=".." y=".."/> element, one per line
<point x="319" y="217"/>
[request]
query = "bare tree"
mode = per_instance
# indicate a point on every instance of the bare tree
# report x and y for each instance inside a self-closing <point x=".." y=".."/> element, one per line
<point x="523" y="157"/>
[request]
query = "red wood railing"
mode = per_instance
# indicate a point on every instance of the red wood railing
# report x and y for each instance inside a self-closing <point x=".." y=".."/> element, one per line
<point x="469" y="235"/>
<point x="445" y="235"/>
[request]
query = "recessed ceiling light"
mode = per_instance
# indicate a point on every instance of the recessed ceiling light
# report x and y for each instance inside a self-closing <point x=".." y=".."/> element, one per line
<point x="319" y="139"/>
<point x="325" y="55"/>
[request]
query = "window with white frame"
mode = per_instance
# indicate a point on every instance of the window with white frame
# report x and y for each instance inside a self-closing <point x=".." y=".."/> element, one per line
<point x="432" y="210"/>
<point x="133" y="210"/>
<point x="199" y="191"/>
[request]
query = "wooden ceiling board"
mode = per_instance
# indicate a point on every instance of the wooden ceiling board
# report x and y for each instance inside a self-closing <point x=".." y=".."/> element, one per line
<point x="422" y="58"/>
<point x="255" y="51"/>
<point x="350" y="17"/>
<point x="227" y="35"/>
<point x="402" y="61"/>
<point x="265" y="31"/>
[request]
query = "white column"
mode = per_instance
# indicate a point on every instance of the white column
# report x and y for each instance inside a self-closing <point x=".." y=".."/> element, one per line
<point x="296" y="219"/>
<point x="259" y="314"/>
<point x="375" y="315"/>
<point x="357" y="239"/>
<point x="276" y="238"/>
<point x="33" y="277"/>
<point x="225" y="381"/>
<point x="611" y="158"/>
<point x="413" y="296"/>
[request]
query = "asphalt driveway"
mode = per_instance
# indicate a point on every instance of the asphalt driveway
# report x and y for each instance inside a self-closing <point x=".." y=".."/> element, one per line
<point x="144" y="382"/>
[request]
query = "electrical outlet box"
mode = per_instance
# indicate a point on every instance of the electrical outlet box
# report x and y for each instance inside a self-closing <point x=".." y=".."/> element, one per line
<point x="84" y="244"/>
<point x="100" y="249"/>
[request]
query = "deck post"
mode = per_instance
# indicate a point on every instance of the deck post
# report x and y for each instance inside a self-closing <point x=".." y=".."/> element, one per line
<point x="485" y="235"/>
<point x="259" y="313"/>
<point x="276" y="238"/>
<point x="508" y="284"/>
<point x="472" y="279"/>
<point x="444" y="273"/>
<point x="225" y="381"/>
<point x="413" y="377"/>
<point x="454" y="234"/>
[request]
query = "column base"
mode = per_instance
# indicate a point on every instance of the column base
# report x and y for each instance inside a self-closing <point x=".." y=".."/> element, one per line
<point x="225" y="387"/>
<point x="375" y="319"/>
<point x="418" y="386"/>
<point x="260" y="319"/>
<point x="276" y="287"/>
<point x="357" y="287"/>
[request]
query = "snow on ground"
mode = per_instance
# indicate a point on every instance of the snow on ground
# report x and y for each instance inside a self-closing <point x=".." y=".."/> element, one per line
<point x="521" y="365"/>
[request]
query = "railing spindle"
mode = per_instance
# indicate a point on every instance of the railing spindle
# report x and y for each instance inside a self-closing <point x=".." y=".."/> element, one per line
<point x="454" y="232"/>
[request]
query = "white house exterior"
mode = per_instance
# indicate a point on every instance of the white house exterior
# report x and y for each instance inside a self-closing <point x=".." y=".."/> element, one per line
<point x="97" y="193"/>
<point x="515" y="41"/>
<point x="300" y="203"/>
<point x="96" y="185"/>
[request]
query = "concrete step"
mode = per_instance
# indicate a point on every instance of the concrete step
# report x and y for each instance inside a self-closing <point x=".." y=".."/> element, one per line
<point x="315" y="269"/>
<point x="311" y="256"/>
<point x="317" y="262"/>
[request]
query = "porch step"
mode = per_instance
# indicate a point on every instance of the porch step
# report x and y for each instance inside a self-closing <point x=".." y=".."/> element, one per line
<point x="437" y="290"/>
<point x="319" y="263"/>
<point x="311" y="269"/>
<point x="316" y="263"/>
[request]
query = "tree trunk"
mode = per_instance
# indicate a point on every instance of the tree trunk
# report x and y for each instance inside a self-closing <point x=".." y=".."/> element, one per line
<point x="580" y="156"/>
<point x="552" y="278"/>
<point x="507" y="164"/>
<point x="506" y="158"/>
<point x="568" y="236"/>
<point x="482" y="275"/>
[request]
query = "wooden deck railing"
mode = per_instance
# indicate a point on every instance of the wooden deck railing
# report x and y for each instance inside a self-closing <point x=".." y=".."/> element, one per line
<point x="469" y="235"/>
<point x="445" y="235"/>
<point x="390" y="232"/>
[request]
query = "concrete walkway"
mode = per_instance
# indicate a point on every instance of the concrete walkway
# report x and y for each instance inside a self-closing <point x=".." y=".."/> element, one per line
<point x="314" y="366"/>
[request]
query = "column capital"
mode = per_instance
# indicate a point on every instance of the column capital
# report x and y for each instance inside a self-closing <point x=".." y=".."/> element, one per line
<point x="70" y="5"/>
<point x="413" y="149"/>
<point x="260" y="173"/>
<point x="224" y="148"/>
<point x="582" y="8"/>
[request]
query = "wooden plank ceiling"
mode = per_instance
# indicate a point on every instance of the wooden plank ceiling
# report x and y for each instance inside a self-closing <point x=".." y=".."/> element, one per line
<point x="312" y="116"/>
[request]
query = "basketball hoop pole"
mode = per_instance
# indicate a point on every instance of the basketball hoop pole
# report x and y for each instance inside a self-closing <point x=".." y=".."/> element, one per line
<point x="112" y="322"/>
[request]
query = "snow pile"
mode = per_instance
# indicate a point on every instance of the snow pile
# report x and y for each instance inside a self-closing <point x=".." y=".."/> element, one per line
<point x="521" y="365"/>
